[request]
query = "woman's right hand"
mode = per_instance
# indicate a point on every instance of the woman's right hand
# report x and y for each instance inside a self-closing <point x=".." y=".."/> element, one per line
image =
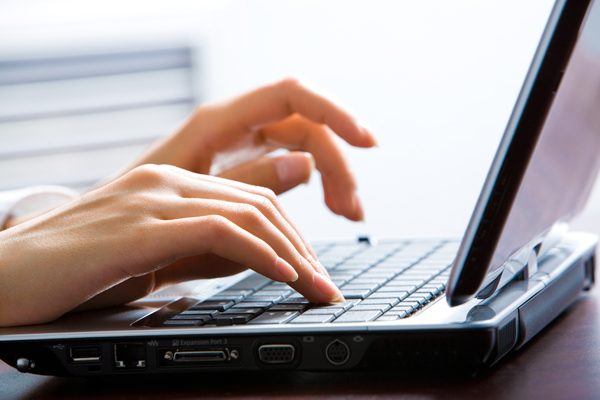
<point x="153" y="227"/>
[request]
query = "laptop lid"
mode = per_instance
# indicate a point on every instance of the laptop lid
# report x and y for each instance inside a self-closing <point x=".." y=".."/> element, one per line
<point x="547" y="160"/>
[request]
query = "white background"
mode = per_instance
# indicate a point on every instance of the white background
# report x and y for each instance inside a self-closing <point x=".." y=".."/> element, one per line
<point x="435" y="80"/>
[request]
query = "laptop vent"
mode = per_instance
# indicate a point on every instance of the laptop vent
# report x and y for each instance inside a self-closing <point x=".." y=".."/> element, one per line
<point x="507" y="335"/>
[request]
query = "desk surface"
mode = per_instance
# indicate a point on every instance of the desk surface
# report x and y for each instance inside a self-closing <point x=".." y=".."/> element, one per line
<point x="562" y="362"/>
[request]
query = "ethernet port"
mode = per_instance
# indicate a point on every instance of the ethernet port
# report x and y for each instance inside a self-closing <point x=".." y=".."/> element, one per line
<point x="130" y="356"/>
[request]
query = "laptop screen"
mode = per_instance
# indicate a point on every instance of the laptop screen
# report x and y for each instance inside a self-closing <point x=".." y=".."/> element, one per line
<point x="558" y="164"/>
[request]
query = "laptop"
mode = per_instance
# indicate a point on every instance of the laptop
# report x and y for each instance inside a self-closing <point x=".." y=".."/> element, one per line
<point x="409" y="303"/>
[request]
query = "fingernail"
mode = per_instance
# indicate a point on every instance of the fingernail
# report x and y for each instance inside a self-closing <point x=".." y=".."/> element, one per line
<point x="358" y="207"/>
<point x="313" y="165"/>
<point x="286" y="271"/>
<point x="291" y="169"/>
<point x="327" y="287"/>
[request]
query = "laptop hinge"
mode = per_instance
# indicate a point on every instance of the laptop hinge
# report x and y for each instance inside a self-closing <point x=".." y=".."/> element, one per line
<point x="532" y="265"/>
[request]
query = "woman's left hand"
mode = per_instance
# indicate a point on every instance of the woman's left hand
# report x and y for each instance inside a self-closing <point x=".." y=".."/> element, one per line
<point x="230" y="139"/>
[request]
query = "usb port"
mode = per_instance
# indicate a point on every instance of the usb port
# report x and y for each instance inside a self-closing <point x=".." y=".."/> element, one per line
<point x="85" y="354"/>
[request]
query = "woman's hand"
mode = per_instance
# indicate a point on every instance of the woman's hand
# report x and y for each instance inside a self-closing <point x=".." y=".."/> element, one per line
<point x="155" y="226"/>
<point x="229" y="139"/>
<point x="152" y="226"/>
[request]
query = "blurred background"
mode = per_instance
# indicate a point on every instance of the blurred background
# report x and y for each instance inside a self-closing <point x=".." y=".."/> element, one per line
<point x="85" y="86"/>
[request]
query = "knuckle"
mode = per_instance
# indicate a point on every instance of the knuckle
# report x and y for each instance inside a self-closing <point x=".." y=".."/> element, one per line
<point x="291" y="82"/>
<point x="268" y="205"/>
<point x="250" y="213"/>
<point x="149" y="174"/>
<point x="265" y="197"/>
<point x="218" y="226"/>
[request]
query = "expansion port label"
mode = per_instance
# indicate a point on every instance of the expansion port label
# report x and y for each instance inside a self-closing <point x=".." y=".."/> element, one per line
<point x="199" y="342"/>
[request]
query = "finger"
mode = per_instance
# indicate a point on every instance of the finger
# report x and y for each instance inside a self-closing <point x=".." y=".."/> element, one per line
<point x="274" y="102"/>
<point x="247" y="217"/>
<point x="262" y="198"/>
<point x="279" y="174"/>
<point x="217" y="235"/>
<point x="298" y="133"/>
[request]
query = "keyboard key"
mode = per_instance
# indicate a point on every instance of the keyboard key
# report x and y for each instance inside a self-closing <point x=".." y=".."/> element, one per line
<point x="424" y="293"/>
<point x="407" y="308"/>
<point x="250" y="311"/>
<point x="364" y="286"/>
<point x="289" y="307"/>
<point x="274" y="317"/>
<point x="416" y="275"/>
<point x="433" y="288"/>
<point x="409" y="282"/>
<point x="212" y="313"/>
<point x="345" y="305"/>
<point x="413" y="304"/>
<point x="351" y="264"/>
<point x="195" y="317"/>
<point x="253" y="282"/>
<point x="312" y="319"/>
<point x="337" y="275"/>
<point x="325" y="311"/>
<point x="385" y="295"/>
<point x="383" y="300"/>
<point x="372" y="307"/>
<point x="421" y="298"/>
<point x="392" y="289"/>
<point x="273" y="299"/>
<point x="253" y="304"/>
<point x="300" y="300"/>
<point x="183" y="322"/>
<point x="378" y="274"/>
<point x="358" y="316"/>
<point x="226" y="298"/>
<point x="397" y="287"/>
<point x="213" y="305"/>
<point x="359" y="280"/>
<point x="273" y="292"/>
<point x="230" y="319"/>
<point x="356" y="294"/>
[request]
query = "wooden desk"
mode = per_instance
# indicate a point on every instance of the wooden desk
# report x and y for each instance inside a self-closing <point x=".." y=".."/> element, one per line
<point x="562" y="362"/>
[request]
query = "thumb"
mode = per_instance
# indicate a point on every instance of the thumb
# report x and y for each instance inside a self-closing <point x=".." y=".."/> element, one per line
<point x="279" y="174"/>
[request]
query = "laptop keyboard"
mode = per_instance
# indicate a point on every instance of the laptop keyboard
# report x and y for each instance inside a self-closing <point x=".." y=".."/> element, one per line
<point x="385" y="282"/>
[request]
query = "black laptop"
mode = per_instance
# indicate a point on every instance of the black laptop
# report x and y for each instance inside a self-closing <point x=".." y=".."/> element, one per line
<point x="409" y="303"/>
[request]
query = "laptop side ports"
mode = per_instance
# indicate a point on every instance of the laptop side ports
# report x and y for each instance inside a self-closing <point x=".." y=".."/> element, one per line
<point x="277" y="353"/>
<point x="129" y="356"/>
<point x="337" y="352"/>
<point x="190" y="357"/>
<point x="85" y="354"/>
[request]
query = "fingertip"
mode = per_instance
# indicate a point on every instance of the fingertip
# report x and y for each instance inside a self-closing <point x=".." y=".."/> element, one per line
<point x="327" y="288"/>
<point x="359" y="212"/>
<point x="339" y="299"/>
<point x="293" y="169"/>
<point x="368" y="132"/>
